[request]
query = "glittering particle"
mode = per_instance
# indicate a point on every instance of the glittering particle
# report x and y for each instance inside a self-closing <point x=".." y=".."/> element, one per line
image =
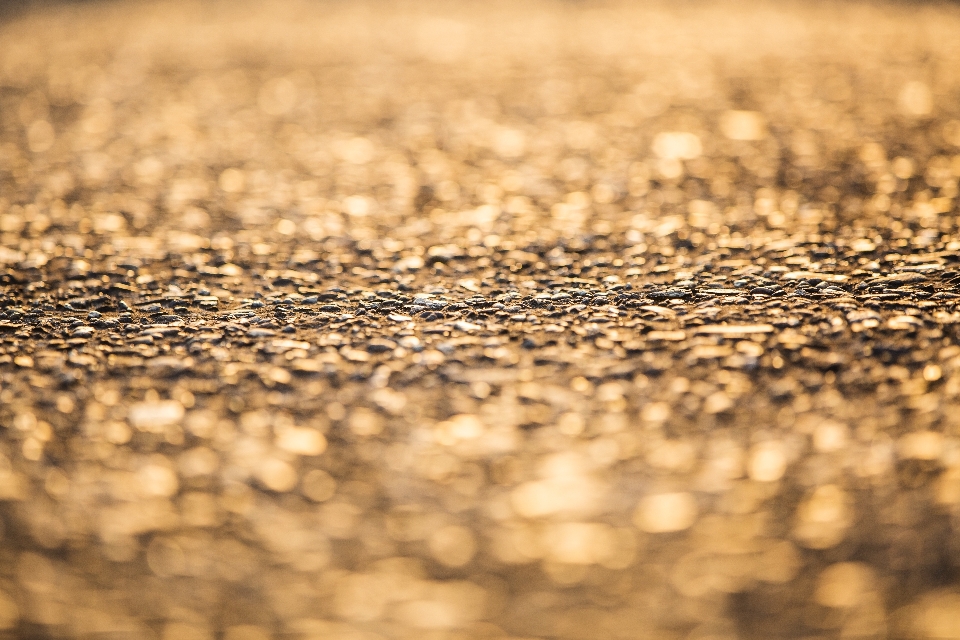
<point x="580" y="384"/>
<point x="587" y="543"/>
<point x="667" y="336"/>
<point x="57" y="483"/>
<point x="842" y="585"/>
<point x="459" y="428"/>
<point x="570" y="424"/>
<point x="232" y="180"/>
<point x="830" y="436"/>
<point x="302" y="441"/>
<point x="157" y="478"/>
<point x="32" y="449"/>
<point x="453" y="546"/>
<point x="365" y="422"/>
<point x="318" y="485"/>
<point x="674" y="455"/>
<point x="360" y="597"/>
<point x="677" y="145"/>
<point x="743" y="125"/>
<point x="154" y="416"/>
<point x="921" y="445"/>
<point x="948" y="487"/>
<point x="286" y="227"/>
<point x="915" y="99"/>
<point x="717" y="402"/>
<point x="357" y="206"/>
<point x="566" y="487"/>
<point x="340" y="518"/>
<point x="165" y="557"/>
<point x="655" y="412"/>
<point x="509" y="143"/>
<point x="823" y="518"/>
<point x="666" y="512"/>
<point x="780" y="563"/>
<point x="117" y="432"/>
<point x="199" y="509"/>
<point x="767" y="462"/>
<point x="199" y="461"/>
<point x="932" y="373"/>
<point x="903" y="167"/>
<point x="932" y="615"/>
<point x="13" y="485"/>
<point x="447" y="605"/>
<point x="277" y="475"/>
<point x="356" y="150"/>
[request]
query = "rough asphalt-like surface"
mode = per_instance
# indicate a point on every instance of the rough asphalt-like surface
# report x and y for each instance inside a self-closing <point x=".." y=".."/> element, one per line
<point x="571" y="321"/>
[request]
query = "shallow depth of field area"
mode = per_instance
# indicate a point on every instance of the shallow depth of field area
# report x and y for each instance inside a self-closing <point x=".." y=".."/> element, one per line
<point x="463" y="321"/>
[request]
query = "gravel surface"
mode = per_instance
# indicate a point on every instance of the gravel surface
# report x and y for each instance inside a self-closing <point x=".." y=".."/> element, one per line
<point x="480" y="322"/>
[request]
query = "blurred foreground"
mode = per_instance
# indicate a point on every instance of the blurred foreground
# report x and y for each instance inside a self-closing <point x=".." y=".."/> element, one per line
<point x="349" y="322"/>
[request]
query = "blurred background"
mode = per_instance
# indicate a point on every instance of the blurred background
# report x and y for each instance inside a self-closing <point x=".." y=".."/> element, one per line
<point x="248" y="485"/>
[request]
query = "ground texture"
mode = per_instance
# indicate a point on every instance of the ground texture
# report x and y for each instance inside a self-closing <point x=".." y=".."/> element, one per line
<point x="363" y="322"/>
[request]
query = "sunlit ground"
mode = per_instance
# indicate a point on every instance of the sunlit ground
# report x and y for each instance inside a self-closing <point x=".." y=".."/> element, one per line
<point x="479" y="321"/>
